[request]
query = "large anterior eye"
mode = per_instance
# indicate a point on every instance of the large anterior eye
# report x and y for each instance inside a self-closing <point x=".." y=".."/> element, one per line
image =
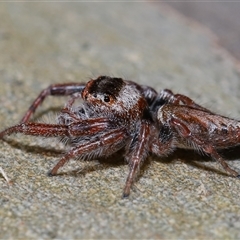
<point x="106" y="98"/>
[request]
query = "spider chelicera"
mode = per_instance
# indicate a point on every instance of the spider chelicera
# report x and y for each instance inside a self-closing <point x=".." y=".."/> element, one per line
<point x="118" y="114"/>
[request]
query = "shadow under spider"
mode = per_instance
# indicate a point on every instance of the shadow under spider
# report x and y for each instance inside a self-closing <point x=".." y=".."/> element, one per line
<point x="195" y="159"/>
<point x="188" y="156"/>
<point x="113" y="161"/>
<point x="34" y="149"/>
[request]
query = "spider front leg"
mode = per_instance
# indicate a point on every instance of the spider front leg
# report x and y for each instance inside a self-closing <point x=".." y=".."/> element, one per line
<point x="36" y="129"/>
<point x="136" y="155"/>
<point x="53" y="90"/>
<point x="105" y="144"/>
<point x="77" y="129"/>
<point x="100" y="143"/>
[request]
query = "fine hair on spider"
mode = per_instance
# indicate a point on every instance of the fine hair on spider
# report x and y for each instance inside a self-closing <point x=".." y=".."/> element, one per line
<point x="117" y="114"/>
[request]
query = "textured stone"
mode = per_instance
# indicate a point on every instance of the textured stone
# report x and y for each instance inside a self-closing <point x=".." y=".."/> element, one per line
<point x="182" y="196"/>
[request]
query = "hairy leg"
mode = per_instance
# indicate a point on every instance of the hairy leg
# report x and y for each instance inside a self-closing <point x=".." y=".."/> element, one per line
<point x="149" y="94"/>
<point x="164" y="143"/>
<point x="53" y="90"/>
<point x="136" y="155"/>
<point x="86" y="127"/>
<point x="166" y="96"/>
<point x="101" y="144"/>
<point x="184" y="132"/>
<point x="214" y="154"/>
<point x="108" y="143"/>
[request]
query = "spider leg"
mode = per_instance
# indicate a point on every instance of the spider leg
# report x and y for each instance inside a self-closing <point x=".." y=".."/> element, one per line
<point x="37" y="129"/>
<point x="214" y="154"/>
<point x="167" y="96"/>
<point x="76" y="129"/>
<point x="53" y="90"/>
<point x="101" y="143"/>
<point x="148" y="92"/>
<point x="137" y="153"/>
<point x="163" y="143"/>
<point x="105" y="145"/>
<point x="182" y="129"/>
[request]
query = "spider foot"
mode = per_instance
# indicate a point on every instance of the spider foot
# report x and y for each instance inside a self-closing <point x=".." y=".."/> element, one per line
<point x="125" y="195"/>
<point x="50" y="174"/>
<point x="126" y="191"/>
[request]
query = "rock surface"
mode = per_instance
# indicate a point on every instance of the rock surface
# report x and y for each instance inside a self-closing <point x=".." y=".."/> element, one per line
<point x="183" y="196"/>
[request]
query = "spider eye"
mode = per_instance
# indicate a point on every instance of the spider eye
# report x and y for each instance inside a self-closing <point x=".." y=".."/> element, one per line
<point x="106" y="98"/>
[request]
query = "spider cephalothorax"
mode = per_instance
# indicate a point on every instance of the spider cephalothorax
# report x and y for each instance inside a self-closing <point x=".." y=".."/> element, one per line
<point x="118" y="114"/>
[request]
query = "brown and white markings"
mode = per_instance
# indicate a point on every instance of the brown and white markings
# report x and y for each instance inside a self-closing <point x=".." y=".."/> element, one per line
<point x="118" y="114"/>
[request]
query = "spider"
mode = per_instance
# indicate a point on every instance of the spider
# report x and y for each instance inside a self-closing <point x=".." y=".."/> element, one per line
<point x="118" y="114"/>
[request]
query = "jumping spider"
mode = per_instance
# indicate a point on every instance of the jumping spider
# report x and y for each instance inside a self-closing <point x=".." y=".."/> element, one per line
<point x="118" y="114"/>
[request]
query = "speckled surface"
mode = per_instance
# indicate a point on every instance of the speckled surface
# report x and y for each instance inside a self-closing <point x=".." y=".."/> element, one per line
<point x="183" y="196"/>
